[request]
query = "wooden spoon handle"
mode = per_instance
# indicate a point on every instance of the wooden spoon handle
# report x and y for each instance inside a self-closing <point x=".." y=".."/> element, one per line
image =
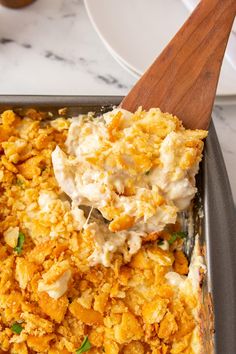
<point x="183" y="79"/>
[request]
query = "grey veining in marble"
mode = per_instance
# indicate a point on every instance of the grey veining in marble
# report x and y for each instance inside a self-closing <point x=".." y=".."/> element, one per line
<point x="50" y="47"/>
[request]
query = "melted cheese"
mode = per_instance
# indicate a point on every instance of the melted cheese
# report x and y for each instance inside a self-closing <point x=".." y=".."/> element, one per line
<point x="136" y="169"/>
<point x="58" y="288"/>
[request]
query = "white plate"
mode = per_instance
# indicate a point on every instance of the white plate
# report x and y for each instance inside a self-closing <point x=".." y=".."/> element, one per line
<point x="219" y="100"/>
<point x="130" y="28"/>
<point x="121" y="62"/>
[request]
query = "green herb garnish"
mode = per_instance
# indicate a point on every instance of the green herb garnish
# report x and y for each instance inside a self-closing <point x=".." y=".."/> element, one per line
<point x="176" y="235"/>
<point x="16" y="328"/>
<point x="20" y="242"/>
<point x="85" y="346"/>
<point x="19" y="182"/>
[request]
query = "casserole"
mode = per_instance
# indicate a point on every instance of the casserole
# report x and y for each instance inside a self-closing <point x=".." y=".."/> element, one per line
<point x="216" y="225"/>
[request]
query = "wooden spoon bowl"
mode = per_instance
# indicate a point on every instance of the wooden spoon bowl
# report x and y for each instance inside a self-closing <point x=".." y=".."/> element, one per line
<point x="184" y="78"/>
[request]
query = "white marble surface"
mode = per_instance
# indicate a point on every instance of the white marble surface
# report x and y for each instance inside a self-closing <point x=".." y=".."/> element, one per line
<point x="50" y="47"/>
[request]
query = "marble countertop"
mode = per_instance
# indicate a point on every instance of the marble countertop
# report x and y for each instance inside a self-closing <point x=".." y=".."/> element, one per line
<point x="50" y="47"/>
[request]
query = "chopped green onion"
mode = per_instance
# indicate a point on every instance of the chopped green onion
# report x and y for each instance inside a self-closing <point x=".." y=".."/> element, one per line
<point x="85" y="346"/>
<point x="176" y="235"/>
<point x="16" y="328"/>
<point x="19" y="182"/>
<point x="20" y="242"/>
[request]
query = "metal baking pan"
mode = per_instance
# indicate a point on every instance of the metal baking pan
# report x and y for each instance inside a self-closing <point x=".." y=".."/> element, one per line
<point x="216" y="225"/>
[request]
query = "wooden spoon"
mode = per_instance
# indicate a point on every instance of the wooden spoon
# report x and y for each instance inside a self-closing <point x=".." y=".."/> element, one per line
<point x="183" y="79"/>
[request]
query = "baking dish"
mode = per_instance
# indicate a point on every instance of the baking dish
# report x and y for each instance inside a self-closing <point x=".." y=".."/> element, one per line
<point x="213" y="216"/>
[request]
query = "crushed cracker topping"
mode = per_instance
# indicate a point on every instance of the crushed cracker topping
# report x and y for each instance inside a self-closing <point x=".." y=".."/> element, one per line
<point x="52" y="300"/>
